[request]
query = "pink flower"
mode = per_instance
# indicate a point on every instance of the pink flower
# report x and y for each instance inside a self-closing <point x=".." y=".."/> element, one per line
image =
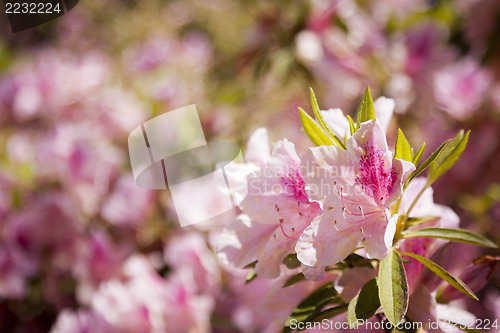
<point x="278" y="210"/>
<point x="15" y="268"/>
<point x="475" y="277"/>
<point x="356" y="186"/>
<point x="69" y="321"/>
<point x="189" y="252"/>
<point x="145" y="302"/>
<point x="460" y="88"/>
<point x="338" y="122"/>
<point x="128" y="204"/>
<point x="100" y="260"/>
<point x="47" y="225"/>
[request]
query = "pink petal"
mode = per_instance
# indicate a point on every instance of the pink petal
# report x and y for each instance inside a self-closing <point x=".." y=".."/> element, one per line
<point x="384" y="108"/>
<point x="277" y="248"/>
<point x="321" y="244"/>
<point x="258" y="150"/>
<point x="243" y="241"/>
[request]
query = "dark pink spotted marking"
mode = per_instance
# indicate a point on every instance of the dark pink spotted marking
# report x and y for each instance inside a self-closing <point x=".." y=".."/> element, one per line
<point x="373" y="176"/>
<point x="294" y="184"/>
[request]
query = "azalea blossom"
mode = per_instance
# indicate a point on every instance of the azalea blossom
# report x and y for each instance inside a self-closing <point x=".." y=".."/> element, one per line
<point x="277" y="210"/>
<point x="357" y="187"/>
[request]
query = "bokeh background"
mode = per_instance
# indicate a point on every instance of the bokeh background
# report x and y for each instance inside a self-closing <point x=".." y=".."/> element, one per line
<point x="83" y="249"/>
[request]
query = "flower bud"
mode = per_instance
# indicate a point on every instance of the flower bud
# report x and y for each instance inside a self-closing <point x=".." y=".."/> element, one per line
<point x="475" y="277"/>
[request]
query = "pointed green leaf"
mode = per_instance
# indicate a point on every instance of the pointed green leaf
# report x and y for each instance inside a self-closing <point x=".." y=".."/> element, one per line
<point x="428" y="161"/>
<point x="327" y="314"/>
<point x="418" y="155"/>
<point x="445" y="275"/>
<point x="448" y="157"/>
<point x="455" y="235"/>
<point x="352" y="127"/>
<point x="413" y="221"/>
<point x="403" y="148"/>
<point x="322" y="122"/>
<point x="366" y="109"/>
<point x="320" y="295"/>
<point x="393" y="287"/>
<point x="312" y="130"/>
<point x="364" y="305"/>
<point x="294" y="279"/>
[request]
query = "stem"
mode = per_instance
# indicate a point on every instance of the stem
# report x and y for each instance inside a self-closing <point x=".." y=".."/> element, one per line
<point x="416" y="199"/>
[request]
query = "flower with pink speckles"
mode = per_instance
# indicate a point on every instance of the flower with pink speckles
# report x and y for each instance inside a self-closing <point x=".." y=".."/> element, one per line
<point x="277" y="210"/>
<point x="356" y="186"/>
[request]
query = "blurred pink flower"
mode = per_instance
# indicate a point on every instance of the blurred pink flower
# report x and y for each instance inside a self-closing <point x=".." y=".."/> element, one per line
<point x="460" y="88"/>
<point x="189" y="252"/>
<point x="48" y="224"/>
<point x="128" y="204"/>
<point x="15" y="268"/>
<point x="145" y="302"/>
<point x="51" y="84"/>
<point x="99" y="260"/>
<point x="69" y="321"/>
<point x="77" y="155"/>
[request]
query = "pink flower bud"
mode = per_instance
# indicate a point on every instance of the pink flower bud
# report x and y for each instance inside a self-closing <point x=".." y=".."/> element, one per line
<point x="475" y="277"/>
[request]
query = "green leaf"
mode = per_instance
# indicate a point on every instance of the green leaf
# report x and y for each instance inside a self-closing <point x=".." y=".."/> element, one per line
<point x="403" y="148"/>
<point x="311" y="307"/>
<point x="364" y="305"/>
<point x="355" y="260"/>
<point x="418" y="155"/>
<point x="366" y="109"/>
<point x="294" y="279"/>
<point x="324" y="293"/>
<point x="327" y="314"/>
<point x="445" y="275"/>
<point x="448" y="157"/>
<point x="312" y="130"/>
<point x="428" y="161"/>
<point x="413" y="221"/>
<point x="322" y="122"/>
<point x="352" y="127"/>
<point x="455" y="235"/>
<point x="314" y="316"/>
<point x="393" y="287"/>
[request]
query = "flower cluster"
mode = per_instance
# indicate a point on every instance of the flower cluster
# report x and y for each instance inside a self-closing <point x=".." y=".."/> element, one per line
<point x="351" y="207"/>
<point x="321" y="232"/>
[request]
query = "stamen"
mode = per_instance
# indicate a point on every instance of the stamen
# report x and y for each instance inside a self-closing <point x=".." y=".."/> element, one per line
<point x="361" y="209"/>
<point x="344" y="208"/>
<point x="284" y="233"/>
